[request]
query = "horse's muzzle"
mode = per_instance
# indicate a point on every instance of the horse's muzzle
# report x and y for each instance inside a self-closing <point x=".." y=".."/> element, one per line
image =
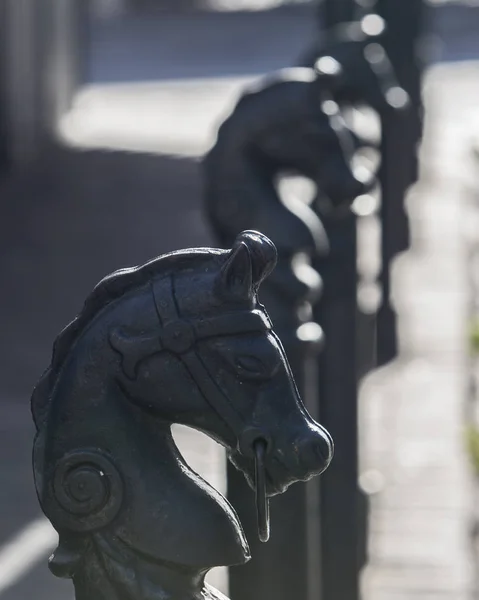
<point x="298" y="458"/>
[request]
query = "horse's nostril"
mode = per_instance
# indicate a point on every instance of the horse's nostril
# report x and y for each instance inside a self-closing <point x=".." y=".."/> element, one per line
<point x="322" y="451"/>
<point x="318" y="449"/>
<point x="315" y="454"/>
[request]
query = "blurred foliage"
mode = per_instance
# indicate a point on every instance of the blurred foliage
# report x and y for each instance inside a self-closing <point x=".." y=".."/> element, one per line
<point x="472" y="431"/>
<point x="472" y="442"/>
<point x="474" y="337"/>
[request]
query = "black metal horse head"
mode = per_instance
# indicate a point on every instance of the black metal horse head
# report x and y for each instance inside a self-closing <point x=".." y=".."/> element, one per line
<point x="181" y="339"/>
<point x="278" y="126"/>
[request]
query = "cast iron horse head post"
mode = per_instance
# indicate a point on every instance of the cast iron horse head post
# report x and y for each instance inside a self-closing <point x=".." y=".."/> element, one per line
<point x="181" y="339"/>
<point x="279" y="126"/>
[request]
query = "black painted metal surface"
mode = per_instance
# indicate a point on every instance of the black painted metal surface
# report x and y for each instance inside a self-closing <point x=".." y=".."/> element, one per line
<point x="180" y="339"/>
<point x="4" y="136"/>
<point x="363" y="75"/>
<point x="401" y="134"/>
<point x="343" y="521"/>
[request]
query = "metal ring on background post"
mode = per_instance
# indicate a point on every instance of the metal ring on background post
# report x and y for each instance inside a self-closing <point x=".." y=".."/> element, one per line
<point x="262" y="503"/>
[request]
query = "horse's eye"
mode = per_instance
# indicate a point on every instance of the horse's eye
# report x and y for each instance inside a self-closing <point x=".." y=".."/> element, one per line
<point x="250" y="364"/>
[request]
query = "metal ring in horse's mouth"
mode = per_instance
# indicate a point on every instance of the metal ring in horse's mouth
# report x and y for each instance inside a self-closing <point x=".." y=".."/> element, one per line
<point x="262" y="503"/>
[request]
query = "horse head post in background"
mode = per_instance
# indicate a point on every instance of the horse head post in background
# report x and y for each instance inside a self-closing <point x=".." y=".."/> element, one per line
<point x="284" y="124"/>
<point x="279" y="127"/>
<point x="181" y="339"/>
<point x="379" y="60"/>
<point x="363" y="73"/>
<point x="358" y="67"/>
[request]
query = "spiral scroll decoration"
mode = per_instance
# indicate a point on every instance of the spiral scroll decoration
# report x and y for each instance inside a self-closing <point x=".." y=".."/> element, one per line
<point x="88" y="491"/>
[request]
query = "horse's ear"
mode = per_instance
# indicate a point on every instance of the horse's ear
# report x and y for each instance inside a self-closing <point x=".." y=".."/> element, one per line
<point x="263" y="254"/>
<point x="236" y="276"/>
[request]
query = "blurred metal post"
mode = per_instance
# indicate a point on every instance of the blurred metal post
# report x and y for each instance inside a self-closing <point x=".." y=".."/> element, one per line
<point x="289" y="565"/>
<point x="22" y="68"/>
<point x="343" y="506"/>
<point x="341" y="503"/>
<point x="43" y="51"/>
<point x="401" y="133"/>
<point x="332" y="12"/>
<point x="4" y="139"/>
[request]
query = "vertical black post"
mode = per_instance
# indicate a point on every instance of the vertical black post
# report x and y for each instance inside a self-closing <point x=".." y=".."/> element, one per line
<point x="343" y="507"/>
<point x="21" y="74"/>
<point x="279" y="569"/>
<point x="401" y="133"/>
<point x="4" y="137"/>
<point x="341" y="520"/>
<point x="332" y="12"/>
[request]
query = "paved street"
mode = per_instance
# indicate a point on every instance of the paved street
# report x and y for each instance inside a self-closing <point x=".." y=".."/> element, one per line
<point x="156" y="88"/>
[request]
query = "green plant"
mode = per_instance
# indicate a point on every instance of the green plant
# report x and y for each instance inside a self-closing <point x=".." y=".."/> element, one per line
<point x="474" y="337"/>
<point x="472" y="443"/>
